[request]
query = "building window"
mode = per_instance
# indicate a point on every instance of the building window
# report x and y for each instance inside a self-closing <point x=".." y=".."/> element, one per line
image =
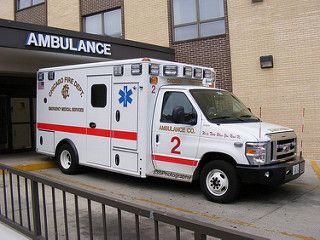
<point x="197" y="19"/>
<point x="106" y="23"/>
<point x="21" y="4"/>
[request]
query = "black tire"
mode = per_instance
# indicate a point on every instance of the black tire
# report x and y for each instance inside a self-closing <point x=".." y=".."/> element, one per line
<point x="216" y="173"/>
<point x="66" y="151"/>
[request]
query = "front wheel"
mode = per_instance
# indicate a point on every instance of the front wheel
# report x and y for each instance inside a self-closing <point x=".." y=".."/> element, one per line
<point x="67" y="158"/>
<point x="219" y="181"/>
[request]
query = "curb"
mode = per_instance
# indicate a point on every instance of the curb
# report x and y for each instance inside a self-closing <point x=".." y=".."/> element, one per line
<point x="316" y="167"/>
<point x="34" y="166"/>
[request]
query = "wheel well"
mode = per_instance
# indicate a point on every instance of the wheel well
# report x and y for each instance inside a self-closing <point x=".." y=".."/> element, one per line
<point x="66" y="141"/>
<point x="211" y="156"/>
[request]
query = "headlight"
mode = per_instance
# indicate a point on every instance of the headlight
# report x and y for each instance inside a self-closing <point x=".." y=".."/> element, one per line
<point x="256" y="152"/>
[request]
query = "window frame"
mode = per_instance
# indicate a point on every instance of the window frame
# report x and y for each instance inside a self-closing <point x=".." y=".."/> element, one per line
<point x="102" y="22"/>
<point x="198" y="23"/>
<point x="162" y="108"/>
<point x="29" y="6"/>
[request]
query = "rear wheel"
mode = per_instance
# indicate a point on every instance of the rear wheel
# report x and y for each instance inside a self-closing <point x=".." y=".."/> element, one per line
<point x="67" y="159"/>
<point x="219" y="181"/>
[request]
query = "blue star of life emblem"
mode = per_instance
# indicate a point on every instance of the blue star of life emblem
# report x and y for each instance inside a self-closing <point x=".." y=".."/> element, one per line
<point x="125" y="96"/>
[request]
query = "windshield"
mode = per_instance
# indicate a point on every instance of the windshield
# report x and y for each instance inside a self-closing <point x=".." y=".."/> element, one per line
<point x="222" y="107"/>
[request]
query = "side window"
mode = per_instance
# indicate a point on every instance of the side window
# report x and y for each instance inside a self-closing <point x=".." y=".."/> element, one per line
<point x="98" y="95"/>
<point x="171" y="100"/>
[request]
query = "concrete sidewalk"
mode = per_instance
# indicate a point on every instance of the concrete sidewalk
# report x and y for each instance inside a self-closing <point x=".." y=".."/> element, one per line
<point x="9" y="233"/>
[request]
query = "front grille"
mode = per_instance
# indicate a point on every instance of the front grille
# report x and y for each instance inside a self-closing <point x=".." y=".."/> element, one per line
<point x="282" y="150"/>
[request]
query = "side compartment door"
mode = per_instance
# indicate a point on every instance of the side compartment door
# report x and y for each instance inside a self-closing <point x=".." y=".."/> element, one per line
<point x="125" y="127"/>
<point x="175" y="144"/>
<point x="99" y="120"/>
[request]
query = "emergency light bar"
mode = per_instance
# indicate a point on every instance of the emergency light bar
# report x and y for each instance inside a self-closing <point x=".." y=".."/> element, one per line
<point x="40" y="76"/>
<point x="118" y="70"/>
<point x="154" y="69"/>
<point x="170" y="70"/>
<point x="207" y="73"/>
<point x="136" y="69"/>
<point x="197" y="73"/>
<point x="187" y="72"/>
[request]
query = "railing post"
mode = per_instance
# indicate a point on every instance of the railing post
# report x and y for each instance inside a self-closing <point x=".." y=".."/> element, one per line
<point x="35" y="210"/>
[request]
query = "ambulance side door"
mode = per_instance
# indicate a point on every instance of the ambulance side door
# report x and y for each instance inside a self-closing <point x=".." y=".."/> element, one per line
<point x="99" y="120"/>
<point x="175" y="143"/>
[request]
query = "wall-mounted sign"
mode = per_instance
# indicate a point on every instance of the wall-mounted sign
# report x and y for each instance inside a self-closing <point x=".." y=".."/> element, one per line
<point x="67" y="43"/>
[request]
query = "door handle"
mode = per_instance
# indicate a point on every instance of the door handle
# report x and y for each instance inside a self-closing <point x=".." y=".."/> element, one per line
<point x="117" y="115"/>
<point x="157" y="138"/>
<point x="92" y="125"/>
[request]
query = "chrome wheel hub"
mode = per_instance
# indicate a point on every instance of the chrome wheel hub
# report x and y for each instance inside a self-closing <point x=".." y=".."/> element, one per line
<point x="65" y="159"/>
<point x="217" y="182"/>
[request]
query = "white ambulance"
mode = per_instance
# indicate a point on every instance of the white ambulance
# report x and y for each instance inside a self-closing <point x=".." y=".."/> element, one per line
<point x="148" y="117"/>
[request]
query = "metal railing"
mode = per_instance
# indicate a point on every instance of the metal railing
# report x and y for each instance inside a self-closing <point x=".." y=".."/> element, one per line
<point x="45" y="209"/>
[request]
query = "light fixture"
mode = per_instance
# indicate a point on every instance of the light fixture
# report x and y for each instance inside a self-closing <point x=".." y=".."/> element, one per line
<point x="118" y="70"/>
<point x="136" y="69"/>
<point x="197" y="73"/>
<point x="170" y="70"/>
<point x="266" y="61"/>
<point x="154" y="69"/>
<point x="187" y="71"/>
<point x="51" y="75"/>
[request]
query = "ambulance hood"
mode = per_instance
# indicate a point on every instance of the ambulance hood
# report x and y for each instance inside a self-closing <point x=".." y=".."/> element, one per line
<point x="254" y="131"/>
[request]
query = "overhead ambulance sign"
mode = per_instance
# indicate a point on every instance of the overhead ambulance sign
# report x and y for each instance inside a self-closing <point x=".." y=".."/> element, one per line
<point x="68" y="44"/>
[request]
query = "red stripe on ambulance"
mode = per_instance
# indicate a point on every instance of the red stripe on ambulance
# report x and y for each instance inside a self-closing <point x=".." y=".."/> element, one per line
<point x="89" y="131"/>
<point x="182" y="161"/>
<point x="61" y="128"/>
<point x="124" y="135"/>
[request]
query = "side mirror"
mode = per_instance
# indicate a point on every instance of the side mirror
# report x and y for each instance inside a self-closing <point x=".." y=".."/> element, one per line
<point x="250" y="110"/>
<point x="178" y="114"/>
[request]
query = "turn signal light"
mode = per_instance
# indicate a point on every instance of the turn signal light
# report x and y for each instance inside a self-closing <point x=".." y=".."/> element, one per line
<point x="153" y="80"/>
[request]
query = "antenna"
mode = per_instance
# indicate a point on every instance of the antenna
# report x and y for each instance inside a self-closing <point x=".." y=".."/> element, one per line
<point x="302" y="131"/>
<point x="260" y="114"/>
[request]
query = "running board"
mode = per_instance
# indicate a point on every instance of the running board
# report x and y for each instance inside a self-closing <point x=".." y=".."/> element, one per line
<point x="171" y="175"/>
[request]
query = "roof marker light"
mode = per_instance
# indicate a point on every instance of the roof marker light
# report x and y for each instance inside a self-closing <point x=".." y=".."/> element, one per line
<point x="145" y="59"/>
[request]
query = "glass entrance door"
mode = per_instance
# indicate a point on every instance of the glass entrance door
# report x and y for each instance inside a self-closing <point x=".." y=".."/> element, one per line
<point x="21" y="123"/>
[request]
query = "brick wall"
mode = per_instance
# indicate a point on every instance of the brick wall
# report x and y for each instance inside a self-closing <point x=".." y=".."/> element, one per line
<point x="35" y="14"/>
<point x="147" y="21"/>
<point x="64" y="14"/>
<point x="290" y="31"/>
<point x="93" y="6"/>
<point x="7" y="9"/>
<point x="211" y="52"/>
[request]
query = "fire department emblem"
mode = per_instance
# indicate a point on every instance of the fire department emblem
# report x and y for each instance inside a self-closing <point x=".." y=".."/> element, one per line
<point x="65" y="91"/>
